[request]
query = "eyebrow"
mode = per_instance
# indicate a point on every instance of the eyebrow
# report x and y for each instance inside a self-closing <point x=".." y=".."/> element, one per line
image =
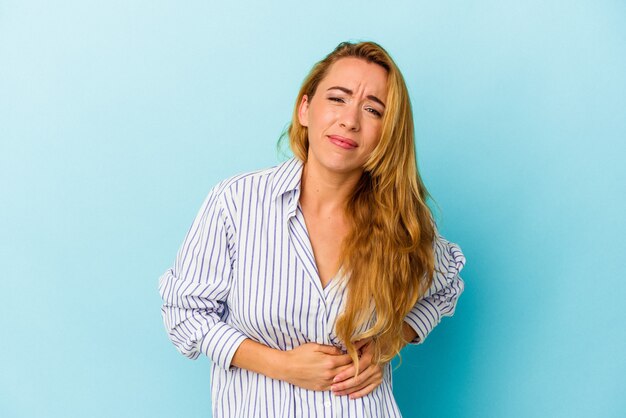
<point x="350" y="92"/>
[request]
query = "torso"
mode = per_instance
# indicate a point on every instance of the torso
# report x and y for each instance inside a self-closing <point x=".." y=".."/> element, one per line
<point x="272" y="298"/>
<point x="326" y="236"/>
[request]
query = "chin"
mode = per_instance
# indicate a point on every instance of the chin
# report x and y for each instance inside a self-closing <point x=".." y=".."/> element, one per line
<point x="336" y="161"/>
<point x="341" y="165"/>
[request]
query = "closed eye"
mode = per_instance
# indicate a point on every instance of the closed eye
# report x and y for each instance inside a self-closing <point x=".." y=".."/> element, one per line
<point x="336" y="99"/>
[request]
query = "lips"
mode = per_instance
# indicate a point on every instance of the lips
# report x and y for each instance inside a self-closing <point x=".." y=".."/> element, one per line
<point x="342" y="141"/>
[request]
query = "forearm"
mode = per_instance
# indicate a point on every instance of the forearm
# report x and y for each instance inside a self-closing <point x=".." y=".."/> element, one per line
<point x="259" y="358"/>
<point x="408" y="332"/>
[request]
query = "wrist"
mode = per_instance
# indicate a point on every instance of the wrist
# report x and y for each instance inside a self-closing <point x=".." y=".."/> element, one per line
<point x="275" y="364"/>
<point x="271" y="362"/>
<point x="260" y="358"/>
<point x="408" y="332"/>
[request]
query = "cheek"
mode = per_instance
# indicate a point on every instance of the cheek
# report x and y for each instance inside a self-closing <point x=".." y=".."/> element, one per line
<point x="324" y="114"/>
<point x="374" y="136"/>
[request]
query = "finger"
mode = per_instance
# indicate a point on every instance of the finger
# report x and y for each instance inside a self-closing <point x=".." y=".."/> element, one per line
<point x="346" y="372"/>
<point x="367" y="389"/>
<point x="341" y="361"/>
<point x="375" y="379"/>
<point x="361" y="343"/>
<point x="353" y="389"/>
<point x="328" y="349"/>
<point x="364" y="346"/>
<point x="334" y="361"/>
<point x="368" y="348"/>
<point x="341" y="369"/>
<point x="354" y="383"/>
<point x="357" y="388"/>
<point x="365" y="362"/>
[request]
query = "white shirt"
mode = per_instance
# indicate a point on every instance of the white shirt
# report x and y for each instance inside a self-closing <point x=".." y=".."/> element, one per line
<point x="246" y="270"/>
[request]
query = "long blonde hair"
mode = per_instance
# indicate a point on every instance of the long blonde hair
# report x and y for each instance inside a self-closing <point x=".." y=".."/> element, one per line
<point x="388" y="252"/>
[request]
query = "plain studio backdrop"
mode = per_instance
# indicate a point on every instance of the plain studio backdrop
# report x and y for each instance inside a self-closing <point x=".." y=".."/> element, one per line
<point x="117" y="117"/>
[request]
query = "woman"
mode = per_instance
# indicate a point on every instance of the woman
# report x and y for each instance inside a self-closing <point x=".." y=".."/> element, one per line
<point x="302" y="281"/>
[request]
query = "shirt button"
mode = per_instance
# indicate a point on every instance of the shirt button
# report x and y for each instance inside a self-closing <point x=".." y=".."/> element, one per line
<point x="327" y="404"/>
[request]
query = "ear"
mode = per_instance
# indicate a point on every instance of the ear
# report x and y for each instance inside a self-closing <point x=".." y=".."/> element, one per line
<point x="303" y="111"/>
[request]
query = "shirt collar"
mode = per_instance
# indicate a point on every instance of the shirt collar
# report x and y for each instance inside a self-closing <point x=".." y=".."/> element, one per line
<point x="287" y="177"/>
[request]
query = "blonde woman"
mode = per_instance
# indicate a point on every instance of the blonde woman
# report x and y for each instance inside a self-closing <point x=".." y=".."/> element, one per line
<point x="302" y="281"/>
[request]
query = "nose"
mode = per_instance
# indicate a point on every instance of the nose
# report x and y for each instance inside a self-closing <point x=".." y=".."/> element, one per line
<point x="350" y="117"/>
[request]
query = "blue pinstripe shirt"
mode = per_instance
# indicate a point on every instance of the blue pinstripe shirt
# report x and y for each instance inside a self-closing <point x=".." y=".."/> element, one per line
<point x="246" y="270"/>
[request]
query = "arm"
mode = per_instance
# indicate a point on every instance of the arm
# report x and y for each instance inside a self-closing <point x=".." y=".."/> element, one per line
<point x="195" y="289"/>
<point x="309" y="366"/>
<point x="194" y="294"/>
<point x="259" y="358"/>
<point x="440" y="300"/>
<point x="408" y="332"/>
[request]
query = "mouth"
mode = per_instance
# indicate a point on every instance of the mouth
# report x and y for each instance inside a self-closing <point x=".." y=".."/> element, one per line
<point x="345" y="143"/>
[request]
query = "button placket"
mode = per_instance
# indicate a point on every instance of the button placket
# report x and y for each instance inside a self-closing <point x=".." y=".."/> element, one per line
<point x="323" y="323"/>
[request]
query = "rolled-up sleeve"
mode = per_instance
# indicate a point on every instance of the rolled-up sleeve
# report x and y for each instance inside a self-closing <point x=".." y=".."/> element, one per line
<point x="195" y="289"/>
<point x="441" y="298"/>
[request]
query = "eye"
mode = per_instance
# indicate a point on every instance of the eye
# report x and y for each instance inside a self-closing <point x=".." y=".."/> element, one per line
<point x="373" y="111"/>
<point x="336" y="99"/>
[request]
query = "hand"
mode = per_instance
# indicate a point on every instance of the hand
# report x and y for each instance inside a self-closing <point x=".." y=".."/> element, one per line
<point x="313" y="366"/>
<point x="370" y="375"/>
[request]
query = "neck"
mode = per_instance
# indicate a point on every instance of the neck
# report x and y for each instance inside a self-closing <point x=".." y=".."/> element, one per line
<point x="324" y="191"/>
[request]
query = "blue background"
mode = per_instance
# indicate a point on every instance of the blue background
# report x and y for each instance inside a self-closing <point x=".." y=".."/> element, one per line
<point x="117" y="117"/>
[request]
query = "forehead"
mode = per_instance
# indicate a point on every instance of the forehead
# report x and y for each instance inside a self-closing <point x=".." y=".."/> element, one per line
<point x="357" y="74"/>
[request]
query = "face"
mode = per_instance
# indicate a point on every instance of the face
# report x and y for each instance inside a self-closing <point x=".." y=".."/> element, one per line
<point x="344" y="116"/>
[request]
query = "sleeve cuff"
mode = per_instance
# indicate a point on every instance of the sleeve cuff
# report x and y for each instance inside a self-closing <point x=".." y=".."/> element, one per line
<point x="220" y="344"/>
<point x="423" y="317"/>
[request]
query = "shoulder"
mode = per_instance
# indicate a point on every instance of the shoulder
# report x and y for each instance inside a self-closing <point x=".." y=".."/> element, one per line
<point x="248" y="184"/>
